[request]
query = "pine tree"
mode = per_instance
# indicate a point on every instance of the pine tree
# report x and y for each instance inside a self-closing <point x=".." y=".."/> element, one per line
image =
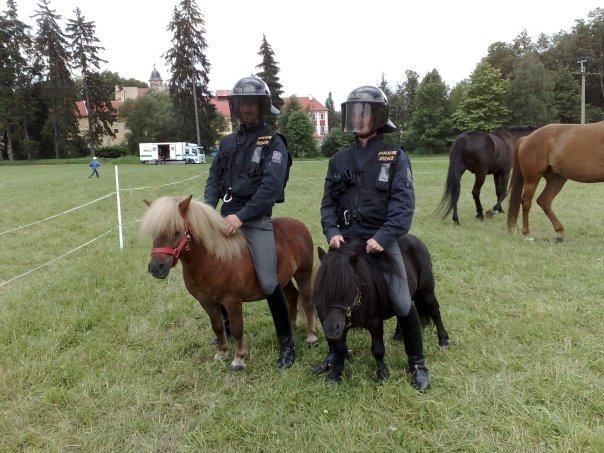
<point x="483" y="104"/>
<point x="334" y="119"/>
<point x="270" y="74"/>
<point x="85" y="51"/>
<point x="14" y="45"/>
<point x="59" y="89"/>
<point x="190" y="74"/>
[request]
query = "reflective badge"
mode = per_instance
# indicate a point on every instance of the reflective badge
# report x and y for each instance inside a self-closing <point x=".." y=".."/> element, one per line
<point x="387" y="156"/>
<point x="276" y="157"/>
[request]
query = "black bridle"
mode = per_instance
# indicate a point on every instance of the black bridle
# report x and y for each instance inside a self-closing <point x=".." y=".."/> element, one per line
<point x="349" y="309"/>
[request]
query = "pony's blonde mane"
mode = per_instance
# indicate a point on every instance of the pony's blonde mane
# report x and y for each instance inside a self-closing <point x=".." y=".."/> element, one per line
<point x="209" y="228"/>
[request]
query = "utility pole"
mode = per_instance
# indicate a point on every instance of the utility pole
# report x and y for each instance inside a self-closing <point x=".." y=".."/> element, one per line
<point x="196" y="113"/>
<point x="582" y="62"/>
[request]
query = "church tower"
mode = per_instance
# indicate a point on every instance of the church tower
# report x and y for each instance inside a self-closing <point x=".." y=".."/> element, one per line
<point x="155" y="81"/>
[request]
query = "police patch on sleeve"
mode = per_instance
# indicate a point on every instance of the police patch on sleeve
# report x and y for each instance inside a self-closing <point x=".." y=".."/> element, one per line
<point x="276" y="157"/>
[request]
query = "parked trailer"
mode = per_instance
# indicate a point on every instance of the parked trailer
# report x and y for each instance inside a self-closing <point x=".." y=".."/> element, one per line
<point x="161" y="153"/>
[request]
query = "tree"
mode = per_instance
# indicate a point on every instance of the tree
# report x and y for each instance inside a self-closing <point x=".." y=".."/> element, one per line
<point x="483" y="104"/>
<point x="503" y="57"/>
<point x="523" y="44"/>
<point x="294" y="122"/>
<point x="292" y="105"/>
<point x="59" y="89"/>
<point x="403" y="103"/>
<point x="15" y="43"/>
<point x="383" y="85"/>
<point x="430" y="126"/>
<point x="270" y="74"/>
<point x="190" y="74"/>
<point x="150" y="118"/>
<point x="334" y="119"/>
<point x="85" y="56"/>
<point x="567" y="96"/>
<point x="107" y="82"/>
<point x="336" y="140"/>
<point x="300" y="135"/>
<point x="530" y="94"/>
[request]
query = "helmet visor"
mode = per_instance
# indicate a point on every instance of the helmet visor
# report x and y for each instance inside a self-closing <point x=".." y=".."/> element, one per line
<point x="363" y="117"/>
<point x="249" y="109"/>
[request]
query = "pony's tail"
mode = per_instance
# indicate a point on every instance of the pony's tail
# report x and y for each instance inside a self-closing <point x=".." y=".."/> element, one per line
<point x="516" y="183"/>
<point x="452" y="184"/>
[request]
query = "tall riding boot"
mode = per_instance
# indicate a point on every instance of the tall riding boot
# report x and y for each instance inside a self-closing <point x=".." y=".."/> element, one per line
<point x="287" y="349"/>
<point x="227" y="326"/>
<point x="412" y="339"/>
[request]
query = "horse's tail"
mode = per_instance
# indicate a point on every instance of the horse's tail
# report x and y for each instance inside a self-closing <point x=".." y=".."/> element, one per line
<point x="516" y="183"/>
<point x="452" y="184"/>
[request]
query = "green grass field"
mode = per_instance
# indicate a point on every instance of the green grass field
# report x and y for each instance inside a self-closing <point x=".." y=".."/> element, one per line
<point x="97" y="355"/>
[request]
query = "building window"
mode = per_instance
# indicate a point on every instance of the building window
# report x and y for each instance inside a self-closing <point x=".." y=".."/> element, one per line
<point x="322" y="116"/>
<point x="322" y="128"/>
<point x="116" y="130"/>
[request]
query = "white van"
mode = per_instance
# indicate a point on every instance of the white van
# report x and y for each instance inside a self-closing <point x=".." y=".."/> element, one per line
<point x="160" y="153"/>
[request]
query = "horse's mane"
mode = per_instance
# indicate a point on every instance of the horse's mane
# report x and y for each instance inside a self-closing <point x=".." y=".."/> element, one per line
<point x="209" y="228"/>
<point x="337" y="282"/>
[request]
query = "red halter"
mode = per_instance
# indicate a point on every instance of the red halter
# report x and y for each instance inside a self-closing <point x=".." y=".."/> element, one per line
<point x="182" y="247"/>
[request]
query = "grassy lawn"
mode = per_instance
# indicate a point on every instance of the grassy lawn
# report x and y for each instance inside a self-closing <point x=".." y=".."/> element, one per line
<point x="97" y="355"/>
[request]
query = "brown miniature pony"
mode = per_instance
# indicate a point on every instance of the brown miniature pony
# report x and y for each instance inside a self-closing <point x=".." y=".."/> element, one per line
<point x="218" y="270"/>
<point x="557" y="152"/>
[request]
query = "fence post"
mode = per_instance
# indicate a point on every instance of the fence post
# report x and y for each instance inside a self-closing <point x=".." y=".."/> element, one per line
<point x="119" y="209"/>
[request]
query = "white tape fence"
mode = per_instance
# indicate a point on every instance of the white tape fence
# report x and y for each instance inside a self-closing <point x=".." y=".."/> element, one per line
<point x="119" y="226"/>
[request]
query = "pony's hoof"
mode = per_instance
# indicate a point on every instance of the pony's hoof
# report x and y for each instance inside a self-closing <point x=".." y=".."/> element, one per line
<point x="489" y="214"/>
<point x="322" y="367"/>
<point x="220" y="355"/>
<point x="443" y="345"/>
<point x="332" y="379"/>
<point x="456" y="222"/>
<point x="559" y="240"/>
<point x="480" y="216"/>
<point x="237" y="365"/>
<point x="382" y="374"/>
<point x="311" y="341"/>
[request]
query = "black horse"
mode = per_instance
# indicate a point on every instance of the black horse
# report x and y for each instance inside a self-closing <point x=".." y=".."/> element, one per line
<point x="483" y="154"/>
<point x="350" y="291"/>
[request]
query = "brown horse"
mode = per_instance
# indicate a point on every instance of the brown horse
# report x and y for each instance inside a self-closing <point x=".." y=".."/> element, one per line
<point x="218" y="270"/>
<point x="483" y="154"/>
<point x="557" y="152"/>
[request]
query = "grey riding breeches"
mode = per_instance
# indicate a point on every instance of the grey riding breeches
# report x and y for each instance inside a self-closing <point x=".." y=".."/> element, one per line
<point x="260" y="238"/>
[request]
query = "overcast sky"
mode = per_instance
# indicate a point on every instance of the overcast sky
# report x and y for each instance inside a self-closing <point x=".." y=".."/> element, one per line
<point x="321" y="46"/>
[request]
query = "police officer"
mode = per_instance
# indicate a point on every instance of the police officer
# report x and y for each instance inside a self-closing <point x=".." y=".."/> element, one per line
<point x="249" y="174"/>
<point x="369" y="195"/>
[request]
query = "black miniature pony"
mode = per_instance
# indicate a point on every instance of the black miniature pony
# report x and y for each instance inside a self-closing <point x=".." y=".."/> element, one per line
<point x="350" y="291"/>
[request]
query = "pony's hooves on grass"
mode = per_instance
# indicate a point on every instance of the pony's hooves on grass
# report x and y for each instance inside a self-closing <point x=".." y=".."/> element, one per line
<point x="456" y="222"/>
<point x="480" y="217"/>
<point x="559" y="240"/>
<point x="489" y="214"/>
<point x="443" y="346"/>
